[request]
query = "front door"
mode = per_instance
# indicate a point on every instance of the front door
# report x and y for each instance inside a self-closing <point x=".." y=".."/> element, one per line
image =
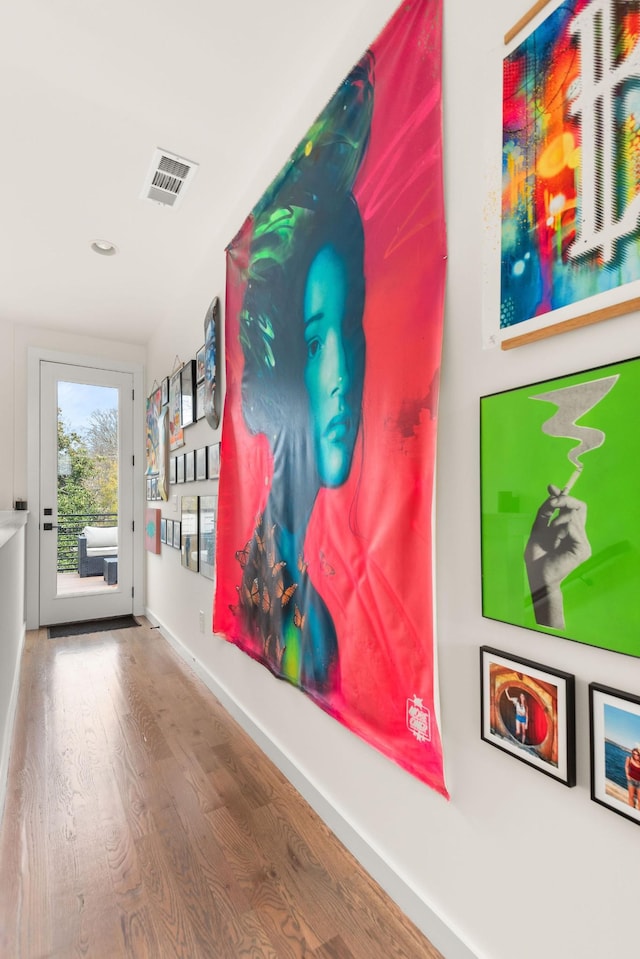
<point x="86" y="493"/>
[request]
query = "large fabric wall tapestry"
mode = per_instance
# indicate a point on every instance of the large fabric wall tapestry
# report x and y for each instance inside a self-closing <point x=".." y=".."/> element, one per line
<point x="335" y="287"/>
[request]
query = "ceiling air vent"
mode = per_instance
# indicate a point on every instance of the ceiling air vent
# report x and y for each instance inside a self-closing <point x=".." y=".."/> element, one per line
<point x="168" y="178"/>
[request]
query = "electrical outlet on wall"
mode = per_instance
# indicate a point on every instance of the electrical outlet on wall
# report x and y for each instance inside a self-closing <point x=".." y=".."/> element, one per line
<point x="201" y="620"/>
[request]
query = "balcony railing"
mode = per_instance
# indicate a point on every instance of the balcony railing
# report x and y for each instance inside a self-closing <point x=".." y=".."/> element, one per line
<point x="70" y="526"/>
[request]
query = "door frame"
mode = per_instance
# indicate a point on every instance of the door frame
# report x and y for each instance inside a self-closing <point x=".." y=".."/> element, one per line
<point x="34" y="356"/>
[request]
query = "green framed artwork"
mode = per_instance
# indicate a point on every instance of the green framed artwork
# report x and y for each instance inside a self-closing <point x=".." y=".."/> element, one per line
<point x="560" y="510"/>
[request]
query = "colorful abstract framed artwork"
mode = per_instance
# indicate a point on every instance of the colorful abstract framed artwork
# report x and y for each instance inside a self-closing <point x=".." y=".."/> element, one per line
<point x="324" y="553"/>
<point x="153" y="410"/>
<point x="614" y="723"/>
<point x="176" y="433"/>
<point x="189" y="545"/>
<point x="152" y="530"/>
<point x="560" y="511"/>
<point x="207" y="506"/>
<point x="163" y="453"/>
<point x="564" y="207"/>
<point x="528" y="711"/>
<point x="211" y="337"/>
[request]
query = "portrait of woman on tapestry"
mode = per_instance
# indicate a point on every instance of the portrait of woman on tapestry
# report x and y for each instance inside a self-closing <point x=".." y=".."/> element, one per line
<point x="303" y="347"/>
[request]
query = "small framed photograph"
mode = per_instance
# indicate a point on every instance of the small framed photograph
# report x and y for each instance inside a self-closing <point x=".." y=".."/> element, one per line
<point x="152" y="536"/>
<point x="207" y="527"/>
<point x="176" y="534"/>
<point x="180" y="468"/>
<point x="200" y="365"/>
<point x="189" y="466"/>
<point x="201" y="463"/>
<point x="163" y="530"/>
<point x="189" y="540"/>
<point x="528" y="711"/>
<point x="213" y="461"/>
<point x="164" y="391"/>
<point x="187" y="390"/>
<point x="154" y="489"/>
<point x="200" y="388"/>
<point x="614" y="723"/>
<point x="173" y="472"/>
<point x="149" y="488"/>
<point x="169" y="532"/>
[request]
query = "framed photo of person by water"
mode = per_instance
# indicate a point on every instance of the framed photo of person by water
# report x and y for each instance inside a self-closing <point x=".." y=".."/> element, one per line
<point x="614" y="722"/>
<point x="560" y="514"/>
<point x="528" y="711"/>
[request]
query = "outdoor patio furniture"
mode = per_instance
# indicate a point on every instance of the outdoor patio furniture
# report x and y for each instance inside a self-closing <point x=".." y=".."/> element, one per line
<point x="94" y="544"/>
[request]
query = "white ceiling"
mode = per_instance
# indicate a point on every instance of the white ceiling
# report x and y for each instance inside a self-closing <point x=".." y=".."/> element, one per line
<point x="88" y="91"/>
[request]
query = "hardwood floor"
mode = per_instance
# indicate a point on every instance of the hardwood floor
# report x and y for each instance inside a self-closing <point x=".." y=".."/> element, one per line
<point x="141" y="821"/>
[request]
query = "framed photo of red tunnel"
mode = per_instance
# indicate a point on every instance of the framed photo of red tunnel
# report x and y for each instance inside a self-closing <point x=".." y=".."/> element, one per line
<point x="528" y="710"/>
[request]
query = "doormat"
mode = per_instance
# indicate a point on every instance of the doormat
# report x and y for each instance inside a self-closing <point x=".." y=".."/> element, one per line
<point x="92" y="626"/>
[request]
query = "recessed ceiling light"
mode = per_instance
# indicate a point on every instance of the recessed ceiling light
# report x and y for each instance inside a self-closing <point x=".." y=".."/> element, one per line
<point x="104" y="247"/>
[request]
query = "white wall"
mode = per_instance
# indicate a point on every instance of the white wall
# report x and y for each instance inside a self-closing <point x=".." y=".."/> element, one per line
<point x="12" y="630"/>
<point x="457" y="865"/>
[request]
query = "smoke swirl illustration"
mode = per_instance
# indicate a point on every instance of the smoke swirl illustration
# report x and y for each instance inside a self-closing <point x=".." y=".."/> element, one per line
<point x="572" y="403"/>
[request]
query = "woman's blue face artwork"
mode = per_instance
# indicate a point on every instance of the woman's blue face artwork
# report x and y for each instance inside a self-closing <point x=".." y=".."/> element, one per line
<point x="334" y="366"/>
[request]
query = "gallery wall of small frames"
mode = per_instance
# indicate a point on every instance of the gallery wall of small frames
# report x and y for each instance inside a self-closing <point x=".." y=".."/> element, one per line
<point x="181" y="400"/>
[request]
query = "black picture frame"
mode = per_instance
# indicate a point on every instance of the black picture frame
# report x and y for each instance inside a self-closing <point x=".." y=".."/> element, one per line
<point x="614" y="734"/>
<point x="545" y="739"/>
<point x="164" y="391"/>
<point x="200" y="398"/>
<point x="180" y="468"/>
<point x="176" y="534"/>
<point x="213" y="461"/>
<point x="189" y="466"/>
<point x="207" y="510"/>
<point x="538" y="467"/>
<point x="201" y="463"/>
<point x="200" y="364"/>
<point x="189" y="533"/>
<point x="173" y="470"/>
<point x="163" y="530"/>
<point x="187" y="393"/>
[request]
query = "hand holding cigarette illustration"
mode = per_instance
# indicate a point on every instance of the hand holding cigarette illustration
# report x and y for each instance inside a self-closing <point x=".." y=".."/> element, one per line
<point x="557" y="545"/>
<point x="558" y="541"/>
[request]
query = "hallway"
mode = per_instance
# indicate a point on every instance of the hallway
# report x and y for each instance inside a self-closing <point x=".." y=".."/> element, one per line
<point x="141" y="821"/>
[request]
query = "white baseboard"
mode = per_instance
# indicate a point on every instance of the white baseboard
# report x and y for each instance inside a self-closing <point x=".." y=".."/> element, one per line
<point x="419" y="912"/>
<point x="5" y="746"/>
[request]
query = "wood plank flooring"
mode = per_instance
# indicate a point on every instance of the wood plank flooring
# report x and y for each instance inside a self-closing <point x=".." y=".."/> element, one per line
<point x="141" y="821"/>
